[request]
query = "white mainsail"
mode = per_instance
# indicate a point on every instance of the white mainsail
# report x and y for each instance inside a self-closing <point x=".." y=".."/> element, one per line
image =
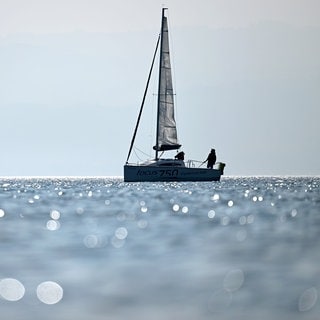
<point x="166" y="126"/>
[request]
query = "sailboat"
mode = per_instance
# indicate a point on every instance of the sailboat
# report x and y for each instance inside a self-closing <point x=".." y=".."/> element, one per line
<point x="159" y="168"/>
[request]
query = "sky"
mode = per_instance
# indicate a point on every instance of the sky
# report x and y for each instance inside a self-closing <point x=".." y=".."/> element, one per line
<point x="73" y="72"/>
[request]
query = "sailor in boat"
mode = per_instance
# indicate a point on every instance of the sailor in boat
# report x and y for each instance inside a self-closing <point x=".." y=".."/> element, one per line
<point x="179" y="155"/>
<point x="211" y="159"/>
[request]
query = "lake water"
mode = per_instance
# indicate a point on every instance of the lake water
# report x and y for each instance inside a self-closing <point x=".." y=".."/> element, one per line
<point x="99" y="248"/>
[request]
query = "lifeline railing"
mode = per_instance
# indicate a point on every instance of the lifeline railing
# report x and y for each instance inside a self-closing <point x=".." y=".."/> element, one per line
<point x="194" y="164"/>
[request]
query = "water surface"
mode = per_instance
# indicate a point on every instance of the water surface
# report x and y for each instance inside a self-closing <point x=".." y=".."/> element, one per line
<point x="99" y="248"/>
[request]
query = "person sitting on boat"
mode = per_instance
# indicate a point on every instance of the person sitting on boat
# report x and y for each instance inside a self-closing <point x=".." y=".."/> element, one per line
<point x="179" y="155"/>
<point x="211" y="159"/>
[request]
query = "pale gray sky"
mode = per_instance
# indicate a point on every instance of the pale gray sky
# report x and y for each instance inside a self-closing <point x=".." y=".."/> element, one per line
<point x="72" y="75"/>
<point x="52" y="16"/>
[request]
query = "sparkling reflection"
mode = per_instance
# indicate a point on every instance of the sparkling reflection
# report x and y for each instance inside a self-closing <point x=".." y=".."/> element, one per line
<point x="241" y="235"/>
<point x="175" y="208"/>
<point x="53" y="225"/>
<point x="308" y="299"/>
<point x="79" y="210"/>
<point x="294" y="212"/>
<point x="49" y="292"/>
<point x="11" y="289"/>
<point x="142" y="224"/>
<point x="230" y="203"/>
<point x="121" y="233"/>
<point x="117" y="243"/>
<point x="211" y="214"/>
<point x="215" y="197"/>
<point x="233" y="280"/>
<point x="144" y="209"/>
<point x="184" y="209"/>
<point x="91" y="241"/>
<point x="55" y="215"/>
<point x="242" y="220"/>
<point x="225" y="220"/>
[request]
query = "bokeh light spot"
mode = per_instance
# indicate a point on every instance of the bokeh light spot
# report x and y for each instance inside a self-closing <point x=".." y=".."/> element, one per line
<point x="308" y="299"/>
<point x="184" y="209"/>
<point x="121" y="233"/>
<point x="233" y="280"/>
<point x="55" y="214"/>
<point x="175" y="208"/>
<point x="215" y="197"/>
<point x="53" y="225"/>
<point x="142" y="224"/>
<point x="144" y="209"/>
<point x="11" y="289"/>
<point x="91" y="241"/>
<point x="211" y="214"/>
<point x="49" y="292"/>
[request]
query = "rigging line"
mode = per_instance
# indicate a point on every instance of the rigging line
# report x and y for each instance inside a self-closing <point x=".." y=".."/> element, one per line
<point x="144" y="153"/>
<point x="153" y="115"/>
<point x="144" y="97"/>
<point x="134" y="151"/>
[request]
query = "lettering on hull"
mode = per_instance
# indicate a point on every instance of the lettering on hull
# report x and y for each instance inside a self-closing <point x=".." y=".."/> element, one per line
<point x="170" y="174"/>
<point x="158" y="173"/>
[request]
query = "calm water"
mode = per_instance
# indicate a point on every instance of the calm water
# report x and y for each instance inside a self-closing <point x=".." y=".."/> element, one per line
<point x="87" y="248"/>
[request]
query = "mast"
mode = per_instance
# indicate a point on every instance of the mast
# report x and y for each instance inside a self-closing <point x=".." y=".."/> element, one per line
<point x="159" y="84"/>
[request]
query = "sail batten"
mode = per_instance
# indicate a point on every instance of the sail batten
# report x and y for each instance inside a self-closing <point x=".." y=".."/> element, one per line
<point x="166" y="127"/>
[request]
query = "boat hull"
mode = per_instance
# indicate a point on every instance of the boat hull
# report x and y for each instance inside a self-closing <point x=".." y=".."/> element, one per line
<point x="140" y="173"/>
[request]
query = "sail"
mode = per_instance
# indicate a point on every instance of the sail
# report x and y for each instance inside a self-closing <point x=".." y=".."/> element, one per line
<point x="166" y="128"/>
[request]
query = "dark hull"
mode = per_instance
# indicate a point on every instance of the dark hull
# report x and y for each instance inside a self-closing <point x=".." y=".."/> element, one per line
<point x="136" y="173"/>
